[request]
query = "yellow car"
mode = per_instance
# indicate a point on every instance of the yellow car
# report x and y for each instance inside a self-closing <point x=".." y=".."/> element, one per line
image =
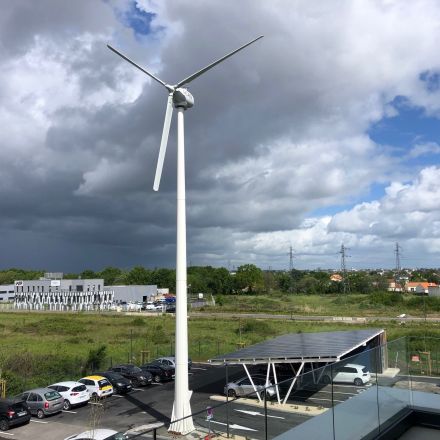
<point x="97" y="386"/>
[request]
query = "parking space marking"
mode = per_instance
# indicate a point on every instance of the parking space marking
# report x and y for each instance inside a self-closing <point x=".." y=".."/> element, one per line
<point x="117" y="395"/>
<point x="155" y="383"/>
<point x="336" y="392"/>
<point x="6" y="433"/>
<point x="39" y="421"/>
<point x="198" y="368"/>
<point x="138" y="389"/>
<point x="327" y="400"/>
<point x="70" y="412"/>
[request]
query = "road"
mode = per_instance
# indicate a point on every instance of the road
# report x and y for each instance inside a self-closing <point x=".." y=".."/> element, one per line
<point x="346" y="319"/>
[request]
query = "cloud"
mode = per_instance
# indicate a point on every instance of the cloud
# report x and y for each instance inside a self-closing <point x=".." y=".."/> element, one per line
<point x="424" y="149"/>
<point x="276" y="143"/>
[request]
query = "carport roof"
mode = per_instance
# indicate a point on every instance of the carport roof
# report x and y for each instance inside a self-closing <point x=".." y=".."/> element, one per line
<point x="299" y="347"/>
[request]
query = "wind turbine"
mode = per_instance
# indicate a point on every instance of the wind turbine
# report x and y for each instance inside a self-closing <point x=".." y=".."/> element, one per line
<point x="181" y="99"/>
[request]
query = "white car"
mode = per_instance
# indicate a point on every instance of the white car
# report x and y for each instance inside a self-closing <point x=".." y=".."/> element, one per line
<point x="154" y="307"/>
<point x="98" y="434"/>
<point x="73" y="393"/>
<point x="97" y="386"/>
<point x="349" y="373"/>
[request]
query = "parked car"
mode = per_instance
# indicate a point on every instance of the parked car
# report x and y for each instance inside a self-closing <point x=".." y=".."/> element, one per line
<point x="73" y="393"/>
<point x="135" y="374"/>
<point x="42" y="401"/>
<point x="154" y="307"/>
<point x="170" y="361"/>
<point x="98" y="434"/>
<point x="119" y="383"/>
<point x="97" y="386"/>
<point x="13" y="413"/>
<point x="159" y="372"/>
<point x="349" y="373"/>
<point x="243" y="387"/>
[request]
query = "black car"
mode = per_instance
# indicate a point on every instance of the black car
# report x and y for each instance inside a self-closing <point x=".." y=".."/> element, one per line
<point x="12" y="413"/>
<point x="137" y="376"/>
<point x="160" y="373"/>
<point x="119" y="383"/>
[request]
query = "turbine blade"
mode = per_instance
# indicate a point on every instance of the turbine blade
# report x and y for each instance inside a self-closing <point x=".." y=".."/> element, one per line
<point x="139" y="67"/>
<point x="163" y="142"/>
<point x="210" y="66"/>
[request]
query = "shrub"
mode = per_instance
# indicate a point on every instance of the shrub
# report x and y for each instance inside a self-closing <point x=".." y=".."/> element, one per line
<point x="96" y="357"/>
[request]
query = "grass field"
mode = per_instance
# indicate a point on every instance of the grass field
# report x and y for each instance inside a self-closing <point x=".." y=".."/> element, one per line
<point x="375" y="304"/>
<point x="40" y="348"/>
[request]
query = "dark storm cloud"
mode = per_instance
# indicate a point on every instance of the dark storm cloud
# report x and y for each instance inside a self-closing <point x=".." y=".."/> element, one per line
<point x="277" y="132"/>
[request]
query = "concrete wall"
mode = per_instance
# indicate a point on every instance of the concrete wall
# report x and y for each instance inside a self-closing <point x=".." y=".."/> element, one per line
<point x="133" y="293"/>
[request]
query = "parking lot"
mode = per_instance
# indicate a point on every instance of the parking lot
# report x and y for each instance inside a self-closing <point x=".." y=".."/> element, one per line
<point x="154" y="403"/>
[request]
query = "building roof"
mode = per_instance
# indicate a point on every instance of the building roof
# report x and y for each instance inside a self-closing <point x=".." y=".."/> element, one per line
<point x="424" y="284"/>
<point x="297" y="347"/>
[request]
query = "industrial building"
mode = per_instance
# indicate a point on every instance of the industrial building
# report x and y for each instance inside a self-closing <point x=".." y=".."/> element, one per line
<point x="53" y="292"/>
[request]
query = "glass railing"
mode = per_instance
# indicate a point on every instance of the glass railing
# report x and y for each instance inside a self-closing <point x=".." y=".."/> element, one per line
<point x="360" y="396"/>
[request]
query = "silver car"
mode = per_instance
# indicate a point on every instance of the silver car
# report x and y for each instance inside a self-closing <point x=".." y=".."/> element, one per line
<point x="243" y="387"/>
<point x="43" y="401"/>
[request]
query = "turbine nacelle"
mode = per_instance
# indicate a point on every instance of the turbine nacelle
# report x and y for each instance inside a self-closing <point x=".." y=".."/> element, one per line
<point x="182" y="98"/>
<point x="177" y="96"/>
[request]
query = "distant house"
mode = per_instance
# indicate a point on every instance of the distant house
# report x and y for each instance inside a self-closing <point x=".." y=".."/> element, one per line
<point x="419" y="286"/>
<point x="336" y="278"/>
<point x="394" y="286"/>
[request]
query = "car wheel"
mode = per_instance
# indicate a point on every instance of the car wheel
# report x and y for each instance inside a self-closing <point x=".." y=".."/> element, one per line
<point x="232" y="393"/>
<point x="4" y="425"/>
<point x="326" y="380"/>
<point x="135" y="382"/>
<point x="40" y="414"/>
<point x="66" y="405"/>
<point x="156" y="378"/>
<point x="95" y="396"/>
<point x="358" y="382"/>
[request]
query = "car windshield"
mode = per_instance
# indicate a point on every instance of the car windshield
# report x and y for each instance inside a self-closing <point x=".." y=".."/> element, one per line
<point x="135" y="370"/>
<point x="364" y="370"/>
<point x="52" y="395"/>
<point x="103" y="383"/>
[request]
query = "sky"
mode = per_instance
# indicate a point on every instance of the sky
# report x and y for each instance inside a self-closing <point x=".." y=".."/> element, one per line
<point x="323" y="133"/>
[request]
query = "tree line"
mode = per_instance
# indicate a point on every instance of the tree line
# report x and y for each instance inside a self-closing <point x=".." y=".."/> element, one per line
<point x="247" y="279"/>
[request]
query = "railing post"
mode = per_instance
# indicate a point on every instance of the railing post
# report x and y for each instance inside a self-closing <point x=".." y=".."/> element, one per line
<point x="227" y="403"/>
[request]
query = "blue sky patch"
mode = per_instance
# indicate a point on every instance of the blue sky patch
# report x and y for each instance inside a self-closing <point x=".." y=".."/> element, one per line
<point x="410" y="127"/>
<point x="137" y="19"/>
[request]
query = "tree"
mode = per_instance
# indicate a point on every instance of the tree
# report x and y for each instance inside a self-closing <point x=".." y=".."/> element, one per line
<point x="111" y="275"/>
<point x="88" y="274"/>
<point x="138" y="275"/>
<point x="164" y="278"/>
<point x="249" y="278"/>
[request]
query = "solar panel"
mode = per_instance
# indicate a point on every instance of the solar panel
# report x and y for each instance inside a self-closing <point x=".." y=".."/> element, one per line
<point x="302" y="346"/>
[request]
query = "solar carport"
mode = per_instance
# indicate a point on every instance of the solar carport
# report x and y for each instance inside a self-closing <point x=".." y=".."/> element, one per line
<point x="303" y="349"/>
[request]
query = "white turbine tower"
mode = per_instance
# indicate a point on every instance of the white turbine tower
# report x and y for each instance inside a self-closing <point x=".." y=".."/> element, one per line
<point x="178" y="95"/>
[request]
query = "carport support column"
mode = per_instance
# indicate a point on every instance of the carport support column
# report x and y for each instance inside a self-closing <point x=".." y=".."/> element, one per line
<point x="252" y="382"/>
<point x="293" y="382"/>
<point x="181" y="407"/>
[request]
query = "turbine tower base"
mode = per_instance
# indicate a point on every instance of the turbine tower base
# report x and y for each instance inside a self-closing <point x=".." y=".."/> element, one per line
<point x="182" y="426"/>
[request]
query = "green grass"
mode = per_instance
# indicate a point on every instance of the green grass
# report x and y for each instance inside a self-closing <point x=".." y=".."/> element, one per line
<point x="40" y="348"/>
<point x="375" y="304"/>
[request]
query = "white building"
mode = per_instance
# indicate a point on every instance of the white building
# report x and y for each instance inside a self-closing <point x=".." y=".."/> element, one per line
<point x="54" y="293"/>
<point x="6" y="293"/>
